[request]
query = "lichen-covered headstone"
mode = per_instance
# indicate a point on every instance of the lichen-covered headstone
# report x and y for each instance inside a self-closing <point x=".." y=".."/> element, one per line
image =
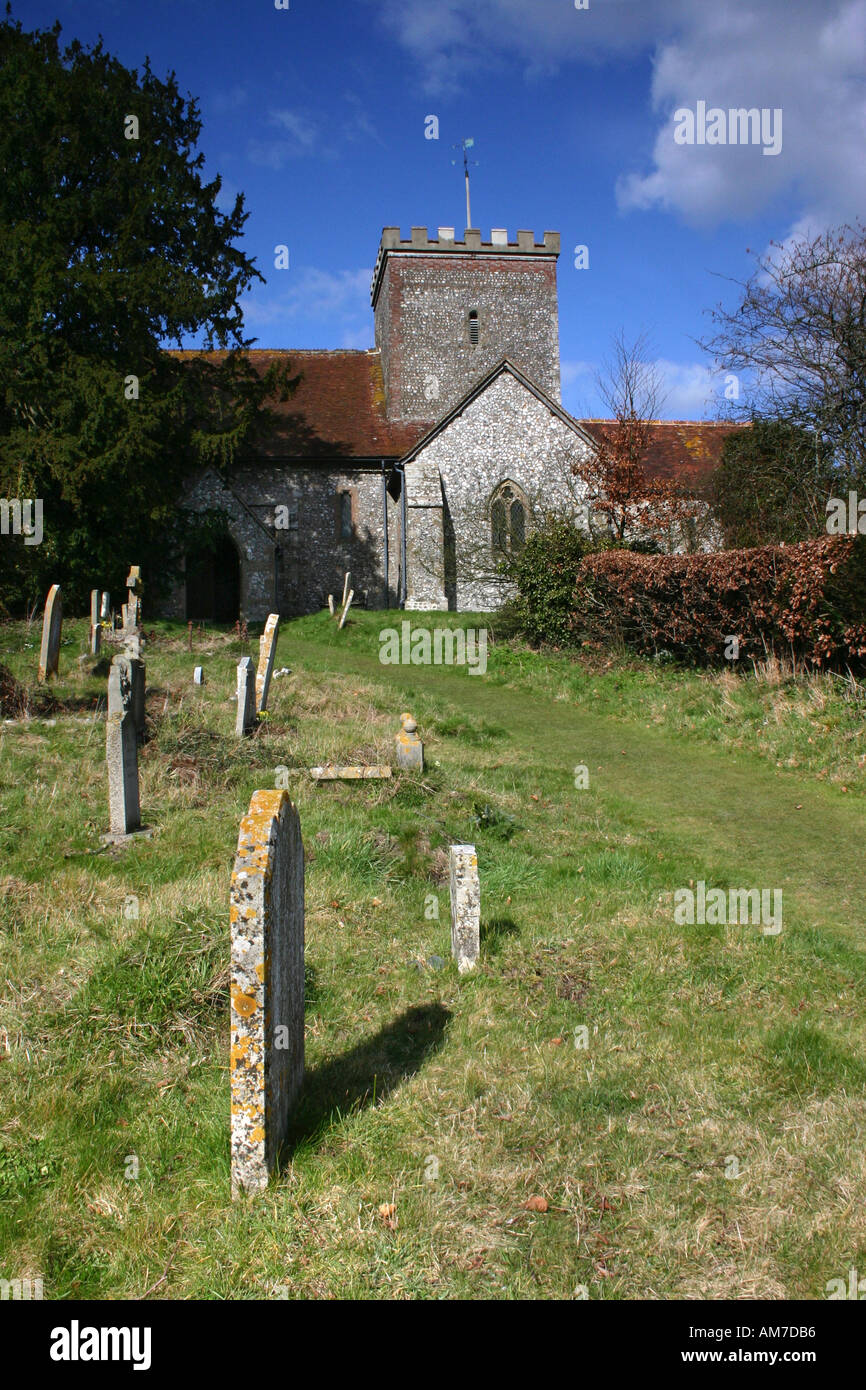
<point x="267" y="986"/>
<point x="95" y="629"/>
<point x="410" y="749"/>
<point x="267" y="652"/>
<point x="246" y="715"/>
<point x="465" y="906"/>
<point x="52" y="624"/>
<point x="121" y="750"/>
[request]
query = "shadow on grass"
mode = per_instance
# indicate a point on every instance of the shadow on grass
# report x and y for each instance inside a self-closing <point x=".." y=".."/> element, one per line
<point x="366" y="1074"/>
<point x="495" y="931"/>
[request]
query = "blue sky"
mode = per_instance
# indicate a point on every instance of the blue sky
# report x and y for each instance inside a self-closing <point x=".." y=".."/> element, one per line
<point x="317" y="114"/>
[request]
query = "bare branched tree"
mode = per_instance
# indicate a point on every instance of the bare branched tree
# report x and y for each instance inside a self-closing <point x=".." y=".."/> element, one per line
<point x="625" y="501"/>
<point x="799" y="333"/>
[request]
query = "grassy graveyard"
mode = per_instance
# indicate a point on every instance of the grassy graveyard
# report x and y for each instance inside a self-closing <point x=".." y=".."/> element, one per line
<point x="455" y="1138"/>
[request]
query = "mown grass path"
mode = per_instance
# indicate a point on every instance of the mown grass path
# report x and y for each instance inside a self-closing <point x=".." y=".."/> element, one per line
<point x="737" y="815"/>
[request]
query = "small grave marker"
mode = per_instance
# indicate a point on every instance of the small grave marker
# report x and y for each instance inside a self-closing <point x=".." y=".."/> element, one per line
<point x="246" y="715"/>
<point x="267" y="652"/>
<point x="410" y="749"/>
<point x="52" y="624"/>
<point x="465" y="907"/>
<point x="121" y="751"/>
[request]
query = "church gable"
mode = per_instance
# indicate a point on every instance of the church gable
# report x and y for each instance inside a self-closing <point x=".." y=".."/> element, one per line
<point x="505" y="434"/>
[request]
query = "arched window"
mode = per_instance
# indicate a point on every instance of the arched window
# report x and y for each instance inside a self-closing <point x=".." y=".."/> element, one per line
<point x="473" y="326"/>
<point x="508" y="519"/>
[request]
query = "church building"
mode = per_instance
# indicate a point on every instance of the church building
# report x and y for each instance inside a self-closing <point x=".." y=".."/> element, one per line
<point x="417" y="463"/>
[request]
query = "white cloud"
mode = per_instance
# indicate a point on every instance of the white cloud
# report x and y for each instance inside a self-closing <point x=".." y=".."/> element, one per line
<point x="299" y="136"/>
<point x="339" y="299"/>
<point x="804" y="56"/>
<point x="690" y="391"/>
<point x="572" y="369"/>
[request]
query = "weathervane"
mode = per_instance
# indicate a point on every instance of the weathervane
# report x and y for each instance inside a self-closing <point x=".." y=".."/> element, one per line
<point x="465" y="145"/>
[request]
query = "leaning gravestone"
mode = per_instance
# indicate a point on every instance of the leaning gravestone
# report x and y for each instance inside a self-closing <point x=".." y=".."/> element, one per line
<point x="52" y="624"/>
<point x="95" y="629"/>
<point x="121" y="751"/>
<point x="267" y="986"/>
<point x="410" y="749"/>
<point x="267" y="652"/>
<point x="465" y="907"/>
<point x="246" y="715"/>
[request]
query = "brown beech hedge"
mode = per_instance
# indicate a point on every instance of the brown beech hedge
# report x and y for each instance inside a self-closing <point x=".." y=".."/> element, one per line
<point x="806" y="601"/>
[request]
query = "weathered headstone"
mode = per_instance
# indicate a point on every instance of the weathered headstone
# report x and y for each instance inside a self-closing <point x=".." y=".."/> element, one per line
<point x="331" y="604"/>
<point x="347" y="584"/>
<point x="410" y="749"/>
<point x="198" y="676"/>
<point x="95" y="629"/>
<point x="132" y="613"/>
<point x="267" y="986"/>
<point x="335" y="772"/>
<point x="121" y="750"/>
<point x="52" y="624"/>
<point x="246" y="715"/>
<point x="138" y="671"/>
<point x="465" y="907"/>
<point x="105" y="606"/>
<point x="132" y="607"/>
<point x="267" y="652"/>
<point x="346" y="606"/>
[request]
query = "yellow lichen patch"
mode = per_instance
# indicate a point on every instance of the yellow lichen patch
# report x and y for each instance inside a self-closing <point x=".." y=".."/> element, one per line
<point x="257" y="1135"/>
<point x="243" y="1004"/>
<point x="260" y="970"/>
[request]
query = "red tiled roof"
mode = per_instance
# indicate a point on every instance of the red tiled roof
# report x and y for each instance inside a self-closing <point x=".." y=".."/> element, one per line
<point x="338" y="409"/>
<point x="688" y="451"/>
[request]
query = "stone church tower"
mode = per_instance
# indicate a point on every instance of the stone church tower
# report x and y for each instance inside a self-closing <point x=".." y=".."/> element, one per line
<point x="447" y="312"/>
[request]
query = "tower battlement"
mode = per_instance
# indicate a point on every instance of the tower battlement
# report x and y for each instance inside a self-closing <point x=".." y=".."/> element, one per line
<point x="445" y="242"/>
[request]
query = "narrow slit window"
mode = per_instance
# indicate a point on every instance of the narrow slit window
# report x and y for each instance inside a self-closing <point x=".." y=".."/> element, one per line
<point x="473" y="326"/>
<point x="345" y="515"/>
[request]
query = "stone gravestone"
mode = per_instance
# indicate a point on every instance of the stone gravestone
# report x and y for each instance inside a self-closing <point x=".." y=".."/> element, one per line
<point x="138" y="672"/>
<point x="346" y="606"/>
<point x="105" y="607"/>
<point x="52" y="624"/>
<point x="410" y="749"/>
<point x="267" y="986"/>
<point x="267" y="652"/>
<point x="465" y="907"/>
<point x="246" y="715"/>
<point x="95" y="629"/>
<point x="121" y="751"/>
<point x="132" y="607"/>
